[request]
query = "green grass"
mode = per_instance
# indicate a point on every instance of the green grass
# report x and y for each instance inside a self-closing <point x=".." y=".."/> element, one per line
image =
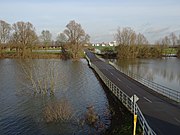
<point x="12" y="52"/>
<point x="43" y="52"/>
<point x="170" y="51"/>
<point x="8" y="52"/>
<point x="59" y="48"/>
<point x="46" y="52"/>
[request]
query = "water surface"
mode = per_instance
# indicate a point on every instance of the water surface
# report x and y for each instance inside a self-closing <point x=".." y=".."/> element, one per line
<point x="22" y="113"/>
<point x="165" y="71"/>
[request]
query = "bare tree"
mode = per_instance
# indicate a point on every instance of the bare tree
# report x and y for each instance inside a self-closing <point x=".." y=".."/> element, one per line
<point x="141" y="39"/>
<point x="46" y="37"/>
<point x="133" y="45"/>
<point x="24" y="36"/>
<point x="125" y="36"/>
<point x="173" y="39"/>
<point x="41" y="76"/>
<point x="166" y="41"/>
<point x="76" y="37"/>
<point x="5" y="29"/>
<point x="61" y="39"/>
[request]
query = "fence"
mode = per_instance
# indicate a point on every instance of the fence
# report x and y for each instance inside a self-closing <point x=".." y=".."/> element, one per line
<point x="125" y="99"/>
<point x="170" y="93"/>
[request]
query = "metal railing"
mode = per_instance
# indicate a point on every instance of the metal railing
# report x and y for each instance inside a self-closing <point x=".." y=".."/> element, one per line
<point x="170" y="93"/>
<point x="125" y="99"/>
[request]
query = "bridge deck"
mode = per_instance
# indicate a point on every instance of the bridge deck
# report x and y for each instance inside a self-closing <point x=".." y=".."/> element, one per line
<point x="163" y="116"/>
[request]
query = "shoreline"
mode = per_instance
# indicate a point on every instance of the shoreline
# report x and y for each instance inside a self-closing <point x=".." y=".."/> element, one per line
<point x="33" y="56"/>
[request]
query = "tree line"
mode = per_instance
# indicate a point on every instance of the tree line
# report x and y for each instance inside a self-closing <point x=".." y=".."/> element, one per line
<point x="23" y="36"/>
<point x="42" y="76"/>
<point x="136" y="45"/>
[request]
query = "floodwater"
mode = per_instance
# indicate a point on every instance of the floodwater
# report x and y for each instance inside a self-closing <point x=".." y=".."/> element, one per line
<point x="165" y="71"/>
<point x="21" y="112"/>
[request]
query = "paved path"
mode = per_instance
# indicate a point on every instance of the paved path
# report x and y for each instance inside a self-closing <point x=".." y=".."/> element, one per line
<point x="162" y="115"/>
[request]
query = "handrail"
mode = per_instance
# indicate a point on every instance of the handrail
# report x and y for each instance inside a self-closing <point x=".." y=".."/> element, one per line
<point x="125" y="99"/>
<point x="170" y="93"/>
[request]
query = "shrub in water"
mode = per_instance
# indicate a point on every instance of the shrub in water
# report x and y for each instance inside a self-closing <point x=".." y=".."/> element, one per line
<point x="58" y="111"/>
<point x="91" y="116"/>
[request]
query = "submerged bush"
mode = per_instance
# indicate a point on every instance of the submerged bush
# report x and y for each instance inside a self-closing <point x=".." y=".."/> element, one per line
<point x="39" y="77"/>
<point x="91" y="116"/>
<point x="94" y="121"/>
<point x="58" y="111"/>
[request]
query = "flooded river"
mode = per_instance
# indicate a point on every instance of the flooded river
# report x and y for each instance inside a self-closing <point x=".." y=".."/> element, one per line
<point x="165" y="71"/>
<point x="22" y="113"/>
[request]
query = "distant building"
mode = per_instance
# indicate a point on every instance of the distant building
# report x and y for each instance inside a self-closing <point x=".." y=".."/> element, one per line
<point x="113" y="43"/>
<point x="103" y="44"/>
<point x="95" y="44"/>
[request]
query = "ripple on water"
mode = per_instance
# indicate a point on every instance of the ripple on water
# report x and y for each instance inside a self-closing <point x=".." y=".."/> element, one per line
<point x="23" y="114"/>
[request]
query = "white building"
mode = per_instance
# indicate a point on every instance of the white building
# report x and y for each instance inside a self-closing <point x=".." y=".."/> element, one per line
<point x="113" y="43"/>
<point x="103" y="44"/>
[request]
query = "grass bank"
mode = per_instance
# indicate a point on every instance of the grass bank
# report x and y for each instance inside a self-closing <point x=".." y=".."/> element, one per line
<point x="44" y="54"/>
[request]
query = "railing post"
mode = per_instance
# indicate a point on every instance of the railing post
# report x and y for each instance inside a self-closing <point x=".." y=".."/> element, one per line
<point x="143" y="127"/>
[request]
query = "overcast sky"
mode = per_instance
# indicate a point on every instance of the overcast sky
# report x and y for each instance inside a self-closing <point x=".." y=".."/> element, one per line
<point x="99" y="18"/>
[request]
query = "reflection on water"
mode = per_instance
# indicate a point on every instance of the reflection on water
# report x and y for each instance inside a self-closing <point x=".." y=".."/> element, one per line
<point x="162" y="71"/>
<point x="22" y="114"/>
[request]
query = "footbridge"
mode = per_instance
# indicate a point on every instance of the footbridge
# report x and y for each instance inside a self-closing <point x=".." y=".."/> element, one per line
<point x="158" y="114"/>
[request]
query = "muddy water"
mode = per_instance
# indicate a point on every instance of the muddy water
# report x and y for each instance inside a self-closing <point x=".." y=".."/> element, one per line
<point x="22" y="113"/>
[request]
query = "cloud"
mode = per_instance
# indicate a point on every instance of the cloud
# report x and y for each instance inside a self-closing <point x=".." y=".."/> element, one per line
<point x="99" y="18"/>
<point x="155" y="33"/>
<point x="155" y="30"/>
